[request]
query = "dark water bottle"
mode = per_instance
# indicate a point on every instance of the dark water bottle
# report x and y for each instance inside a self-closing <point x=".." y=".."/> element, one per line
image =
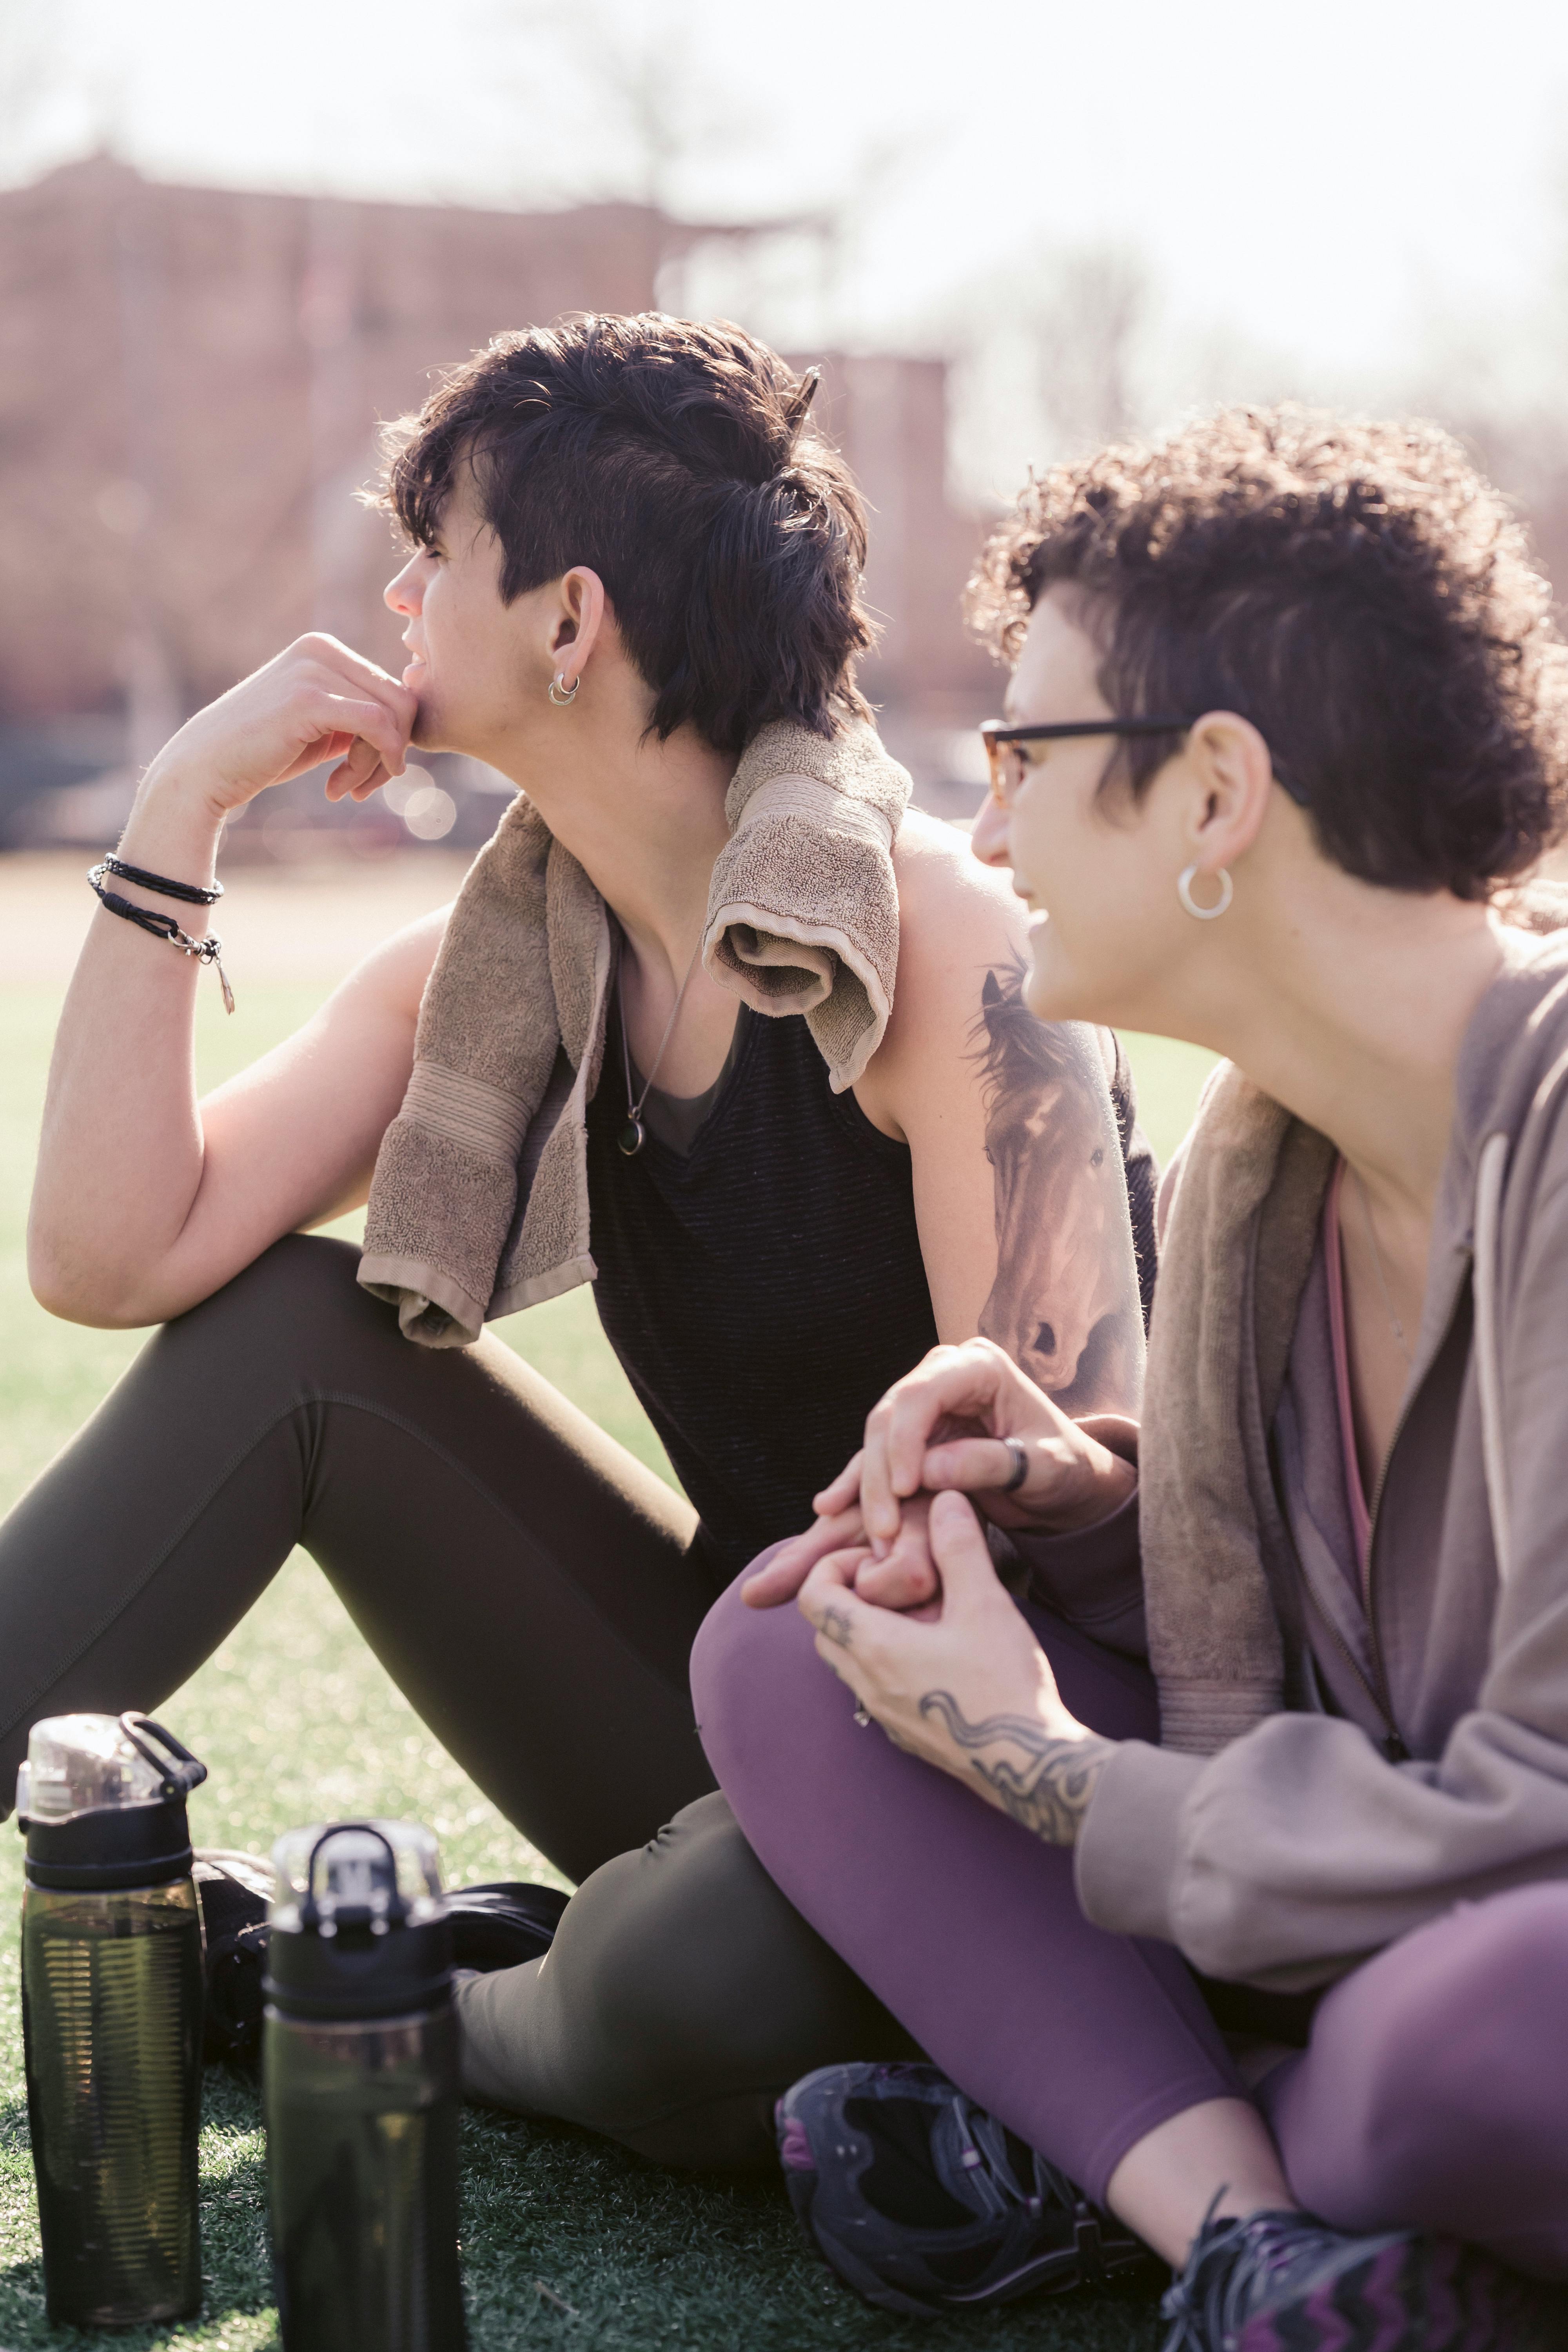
<point x="360" y="2086"/>
<point x="111" y="2016"/>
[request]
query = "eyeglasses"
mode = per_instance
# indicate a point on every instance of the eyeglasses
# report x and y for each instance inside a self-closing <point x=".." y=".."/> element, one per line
<point x="1009" y="759"/>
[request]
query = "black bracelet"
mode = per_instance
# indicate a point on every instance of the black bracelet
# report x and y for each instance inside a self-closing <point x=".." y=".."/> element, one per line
<point x="164" y="927"/>
<point x="195" y="894"/>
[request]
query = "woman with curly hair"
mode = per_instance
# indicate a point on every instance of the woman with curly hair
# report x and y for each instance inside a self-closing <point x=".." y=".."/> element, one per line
<point x="1240" y="1872"/>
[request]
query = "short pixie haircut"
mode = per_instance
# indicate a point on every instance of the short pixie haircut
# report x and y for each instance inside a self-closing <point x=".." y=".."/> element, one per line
<point x="1356" y="590"/>
<point x="675" y="459"/>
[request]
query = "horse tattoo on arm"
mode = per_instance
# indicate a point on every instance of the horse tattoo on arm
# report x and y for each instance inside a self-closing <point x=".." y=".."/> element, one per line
<point x="1065" y="1302"/>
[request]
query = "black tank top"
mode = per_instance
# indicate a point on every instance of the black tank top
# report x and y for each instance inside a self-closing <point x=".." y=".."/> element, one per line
<point x="763" y="1290"/>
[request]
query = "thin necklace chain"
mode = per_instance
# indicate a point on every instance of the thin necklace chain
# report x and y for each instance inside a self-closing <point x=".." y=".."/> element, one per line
<point x="1398" y="1327"/>
<point x="634" y="1109"/>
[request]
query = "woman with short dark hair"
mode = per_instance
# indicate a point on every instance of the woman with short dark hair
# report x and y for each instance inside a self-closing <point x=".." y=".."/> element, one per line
<point x="634" y="588"/>
<point x="1277" y="1748"/>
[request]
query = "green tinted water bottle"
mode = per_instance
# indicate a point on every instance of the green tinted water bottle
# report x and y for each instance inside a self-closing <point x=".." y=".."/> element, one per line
<point x="111" y="2013"/>
<point x="360" y="2091"/>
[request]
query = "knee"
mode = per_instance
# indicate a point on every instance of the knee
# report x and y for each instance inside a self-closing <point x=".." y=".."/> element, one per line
<point x="291" y="1279"/>
<point x="1442" y="2056"/>
<point x="687" y="1947"/>
<point x="1474" y="1991"/>
<point x="681" y="1994"/>
<point x="301" y="1292"/>
<point x="749" y="1670"/>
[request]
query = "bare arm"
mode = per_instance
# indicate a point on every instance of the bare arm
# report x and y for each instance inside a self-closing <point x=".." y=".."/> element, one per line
<point x="146" y="1200"/>
<point x="1019" y="1190"/>
<point x="1022" y="1207"/>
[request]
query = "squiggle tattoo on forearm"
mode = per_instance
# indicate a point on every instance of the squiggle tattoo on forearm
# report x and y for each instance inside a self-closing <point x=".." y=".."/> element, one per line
<point x="1049" y="1793"/>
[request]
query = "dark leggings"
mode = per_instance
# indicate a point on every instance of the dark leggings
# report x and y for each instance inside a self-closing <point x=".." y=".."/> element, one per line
<point x="533" y="1589"/>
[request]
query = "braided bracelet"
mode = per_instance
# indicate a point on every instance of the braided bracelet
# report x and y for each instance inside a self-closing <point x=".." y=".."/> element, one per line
<point x="195" y="894"/>
<point x="164" y="927"/>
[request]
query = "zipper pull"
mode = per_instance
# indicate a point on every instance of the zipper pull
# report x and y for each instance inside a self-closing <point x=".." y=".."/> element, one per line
<point x="1393" y="1748"/>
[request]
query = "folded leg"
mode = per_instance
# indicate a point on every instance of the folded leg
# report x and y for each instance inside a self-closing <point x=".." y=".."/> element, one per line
<point x="967" y="1928"/>
<point x="1434" y="2091"/>
<point x="531" y="1586"/>
<point x="681" y="1996"/>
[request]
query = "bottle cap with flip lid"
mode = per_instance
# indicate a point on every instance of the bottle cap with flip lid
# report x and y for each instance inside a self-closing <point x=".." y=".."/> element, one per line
<point x="102" y="1801"/>
<point x="359" y="1922"/>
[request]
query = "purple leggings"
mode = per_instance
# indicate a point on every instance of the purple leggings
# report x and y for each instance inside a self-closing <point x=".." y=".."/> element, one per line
<point x="1434" y="2090"/>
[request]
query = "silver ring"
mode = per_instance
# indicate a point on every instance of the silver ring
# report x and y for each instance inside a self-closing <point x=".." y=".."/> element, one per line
<point x="1014" y="1446"/>
<point x="560" y="694"/>
<point x="861" y="1718"/>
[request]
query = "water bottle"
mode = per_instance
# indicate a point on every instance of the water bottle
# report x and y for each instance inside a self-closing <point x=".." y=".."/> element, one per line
<point x="111" y="2017"/>
<point x="360" y="2088"/>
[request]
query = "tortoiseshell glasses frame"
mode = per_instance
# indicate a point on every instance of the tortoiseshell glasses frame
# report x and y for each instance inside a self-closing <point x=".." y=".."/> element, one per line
<point x="1007" y="759"/>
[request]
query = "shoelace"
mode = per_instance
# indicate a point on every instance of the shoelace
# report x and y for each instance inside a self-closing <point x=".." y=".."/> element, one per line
<point x="1214" y="2294"/>
<point x="984" y="2156"/>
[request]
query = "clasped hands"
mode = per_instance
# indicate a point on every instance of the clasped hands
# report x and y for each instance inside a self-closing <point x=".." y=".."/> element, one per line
<point x="897" y="1580"/>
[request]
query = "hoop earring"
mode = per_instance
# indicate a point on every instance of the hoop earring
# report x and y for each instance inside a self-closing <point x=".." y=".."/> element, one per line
<point x="560" y="694"/>
<point x="1205" y="914"/>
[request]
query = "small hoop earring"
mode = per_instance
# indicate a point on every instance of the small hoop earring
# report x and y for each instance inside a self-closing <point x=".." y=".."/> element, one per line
<point x="560" y="694"/>
<point x="1205" y="914"/>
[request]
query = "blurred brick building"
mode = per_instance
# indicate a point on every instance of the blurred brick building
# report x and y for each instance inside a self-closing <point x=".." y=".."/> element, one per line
<point x="191" y="381"/>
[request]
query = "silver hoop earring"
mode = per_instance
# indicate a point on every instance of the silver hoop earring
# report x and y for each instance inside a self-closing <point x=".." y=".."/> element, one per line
<point x="560" y="694"/>
<point x="1205" y="914"/>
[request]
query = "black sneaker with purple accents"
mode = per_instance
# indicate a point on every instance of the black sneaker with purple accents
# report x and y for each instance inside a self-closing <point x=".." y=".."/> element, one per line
<point x="1285" y="2283"/>
<point x="923" y="2203"/>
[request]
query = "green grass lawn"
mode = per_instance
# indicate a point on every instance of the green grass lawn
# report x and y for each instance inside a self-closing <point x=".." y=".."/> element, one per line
<point x="567" y="2242"/>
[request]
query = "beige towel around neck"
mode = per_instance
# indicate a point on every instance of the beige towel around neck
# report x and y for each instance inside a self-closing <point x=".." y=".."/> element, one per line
<point x="479" y="1205"/>
<point x="1218" y="1580"/>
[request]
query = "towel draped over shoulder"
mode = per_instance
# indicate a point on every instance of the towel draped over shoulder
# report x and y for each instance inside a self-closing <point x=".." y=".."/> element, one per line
<point x="479" y="1205"/>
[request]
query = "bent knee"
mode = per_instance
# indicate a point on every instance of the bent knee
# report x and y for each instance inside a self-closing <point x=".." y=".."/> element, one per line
<point x="682" y="1993"/>
<point x="292" y="1278"/>
<point x="747" y="1664"/>
<point x="688" y="1948"/>
<point x="298" y="1301"/>
<point x="1439" y="2057"/>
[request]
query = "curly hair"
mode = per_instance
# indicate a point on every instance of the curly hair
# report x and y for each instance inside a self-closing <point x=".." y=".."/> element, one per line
<point x="676" y="459"/>
<point x="1356" y="590"/>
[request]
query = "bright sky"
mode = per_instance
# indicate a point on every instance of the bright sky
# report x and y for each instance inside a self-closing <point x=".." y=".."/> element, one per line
<point x="1320" y="182"/>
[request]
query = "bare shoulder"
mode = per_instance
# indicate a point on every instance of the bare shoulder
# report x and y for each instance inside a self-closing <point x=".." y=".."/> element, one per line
<point x="958" y="921"/>
<point x="957" y="918"/>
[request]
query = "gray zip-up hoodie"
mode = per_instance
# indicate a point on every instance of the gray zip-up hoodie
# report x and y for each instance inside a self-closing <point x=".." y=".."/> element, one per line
<point x="1296" y="1842"/>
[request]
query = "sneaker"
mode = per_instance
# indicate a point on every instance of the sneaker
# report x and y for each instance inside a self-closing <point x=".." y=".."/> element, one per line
<point x="493" y="1927"/>
<point x="925" y="2203"/>
<point x="233" y="1891"/>
<point x="1285" y="2283"/>
<point x="501" y="1926"/>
